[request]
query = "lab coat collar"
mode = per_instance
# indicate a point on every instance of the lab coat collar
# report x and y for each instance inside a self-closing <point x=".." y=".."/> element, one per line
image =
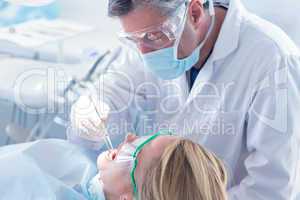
<point x="227" y="42"/>
<point x="229" y="35"/>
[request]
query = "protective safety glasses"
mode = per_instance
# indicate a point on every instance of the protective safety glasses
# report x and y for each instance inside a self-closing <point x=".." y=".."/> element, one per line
<point x="130" y="151"/>
<point x="141" y="144"/>
<point x="159" y="36"/>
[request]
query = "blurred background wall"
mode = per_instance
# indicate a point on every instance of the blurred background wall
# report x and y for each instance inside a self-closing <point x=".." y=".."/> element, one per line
<point x="283" y="13"/>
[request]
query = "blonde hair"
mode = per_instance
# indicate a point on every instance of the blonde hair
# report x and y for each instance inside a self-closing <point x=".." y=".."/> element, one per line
<point x="186" y="171"/>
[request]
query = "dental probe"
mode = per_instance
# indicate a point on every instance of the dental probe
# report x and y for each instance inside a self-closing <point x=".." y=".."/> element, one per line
<point x="106" y="135"/>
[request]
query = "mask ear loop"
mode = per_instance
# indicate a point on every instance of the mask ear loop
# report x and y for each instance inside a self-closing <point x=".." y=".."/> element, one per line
<point x="137" y="151"/>
<point x="182" y="26"/>
<point x="211" y="11"/>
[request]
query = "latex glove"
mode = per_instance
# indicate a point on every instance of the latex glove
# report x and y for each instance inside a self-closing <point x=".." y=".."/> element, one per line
<point x="88" y="118"/>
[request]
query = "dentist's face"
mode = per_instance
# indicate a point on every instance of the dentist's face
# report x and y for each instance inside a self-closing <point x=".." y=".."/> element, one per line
<point x="145" y="17"/>
<point x="116" y="178"/>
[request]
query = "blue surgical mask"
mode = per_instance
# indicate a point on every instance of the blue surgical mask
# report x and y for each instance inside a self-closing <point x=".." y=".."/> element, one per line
<point x="164" y="62"/>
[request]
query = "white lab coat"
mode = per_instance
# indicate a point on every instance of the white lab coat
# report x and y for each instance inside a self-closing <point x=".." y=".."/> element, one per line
<point x="244" y="105"/>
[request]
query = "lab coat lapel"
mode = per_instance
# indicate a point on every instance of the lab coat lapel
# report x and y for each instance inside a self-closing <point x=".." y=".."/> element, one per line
<point x="202" y="79"/>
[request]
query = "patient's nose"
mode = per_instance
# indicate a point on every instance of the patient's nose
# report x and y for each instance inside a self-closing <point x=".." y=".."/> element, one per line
<point x="130" y="138"/>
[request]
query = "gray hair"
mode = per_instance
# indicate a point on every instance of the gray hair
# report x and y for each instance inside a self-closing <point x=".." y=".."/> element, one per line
<point x="118" y="8"/>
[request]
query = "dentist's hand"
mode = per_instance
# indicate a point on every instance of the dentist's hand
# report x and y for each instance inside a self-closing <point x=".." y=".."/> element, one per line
<point x="89" y="117"/>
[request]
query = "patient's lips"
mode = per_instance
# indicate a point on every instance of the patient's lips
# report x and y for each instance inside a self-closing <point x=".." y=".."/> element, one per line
<point x="105" y="158"/>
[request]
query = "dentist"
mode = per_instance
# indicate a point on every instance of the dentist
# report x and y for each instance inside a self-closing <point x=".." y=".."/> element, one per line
<point x="212" y="72"/>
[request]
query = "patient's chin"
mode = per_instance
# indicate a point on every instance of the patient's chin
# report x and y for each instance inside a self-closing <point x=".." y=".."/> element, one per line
<point x="103" y="160"/>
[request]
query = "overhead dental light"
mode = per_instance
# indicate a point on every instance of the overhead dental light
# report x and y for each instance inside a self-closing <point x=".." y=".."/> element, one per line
<point x="30" y="3"/>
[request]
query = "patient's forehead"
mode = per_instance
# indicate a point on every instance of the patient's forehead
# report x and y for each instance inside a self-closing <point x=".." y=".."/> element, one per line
<point x="157" y="146"/>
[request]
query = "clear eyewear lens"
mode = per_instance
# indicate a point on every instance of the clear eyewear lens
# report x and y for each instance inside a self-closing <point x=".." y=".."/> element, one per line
<point x="156" y="40"/>
<point x="160" y="36"/>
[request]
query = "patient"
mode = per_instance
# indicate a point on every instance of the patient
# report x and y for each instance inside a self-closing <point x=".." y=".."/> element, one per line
<point x="166" y="168"/>
<point x="156" y="167"/>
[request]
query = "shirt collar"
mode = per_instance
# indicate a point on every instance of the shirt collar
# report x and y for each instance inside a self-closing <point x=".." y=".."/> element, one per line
<point x="229" y="35"/>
